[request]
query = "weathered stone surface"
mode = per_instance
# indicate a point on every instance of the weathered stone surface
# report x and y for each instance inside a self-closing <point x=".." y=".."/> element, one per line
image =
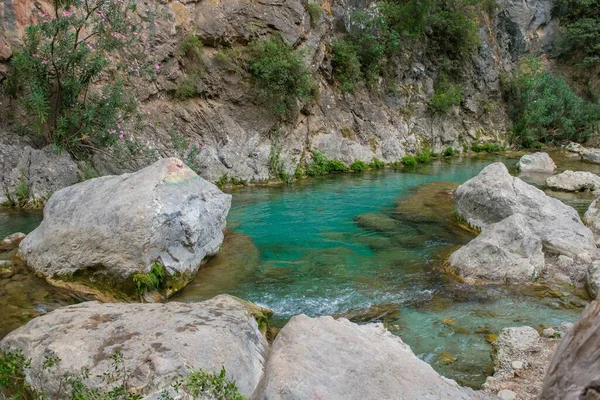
<point x="507" y="251"/>
<point x="574" y="181"/>
<point x="494" y="195"/>
<point x="377" y="222"/>
<point x="592" y="218"/>
<point x="116" y="226"/>
<point x="158" y="342"/>
<point x="536" y="162"/>
<point x="11" y="242"/>
<point x="593" y="279"/>
<point x="34" y="174"/>
<point x="336" y="359"/>
<point x="591" y="155"/>
<point x="575" y="370"/>
<point x="514" y="344"/>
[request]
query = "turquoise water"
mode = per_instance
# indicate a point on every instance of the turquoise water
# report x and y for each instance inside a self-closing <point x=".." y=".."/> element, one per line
<point x="302" y="249"/>
<point x="369" y="247"/>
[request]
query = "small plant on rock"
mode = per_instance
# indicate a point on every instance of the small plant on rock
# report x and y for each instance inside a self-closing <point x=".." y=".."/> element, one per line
<point x="359" y="166"/>
<point x="409" y="160"/>
<point x="150" y="281"/>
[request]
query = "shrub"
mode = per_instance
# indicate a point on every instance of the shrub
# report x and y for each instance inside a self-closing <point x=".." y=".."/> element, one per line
<point x="336" y="166"/>
<point x="449" y="152"/>
<point x="318" y="166"/>
<point x="60" y="74"/>
<point x="581" y="37"/>
<point x="185" y="90"/>
<point x="192" y="48"/>
<point x="424" y="157"/>
<point x="299" y="173"/>
<point x="546" y="110"/>
<point x="346" y="65"/>
<point x="486" y="147"/>
<point x="446" y="96"/>
<point x="376" y="163"/>
<point x="359" y="166"/>
<point x="314" y="12"/>
<point x="409" y="160"/>
<point x="280" y="75"/>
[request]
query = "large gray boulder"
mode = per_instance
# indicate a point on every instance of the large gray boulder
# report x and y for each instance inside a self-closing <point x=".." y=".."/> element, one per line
<point x="494" y="195"/>
<point x="507" y="251"/>
<point x="574" y="373"/>
<point x="29" y="176"/>
<point x="514" y="344"/>
<point x="536" y="162"/>
<point x="574" y="181"/>
<point x="158" y="342"/>
<point x="324" y="358"/>
<point x="592" y="218"/>
<point x="111" y="228"/>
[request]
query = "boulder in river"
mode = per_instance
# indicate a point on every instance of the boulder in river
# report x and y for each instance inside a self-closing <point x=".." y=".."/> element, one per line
<point x="507" y="251"/>
<point x="11" y="242"/>
<point x="536" y="162"/>
<point x="162" y="220"/>
<point x="324" y="358"/>
<point x="574" y="181"/>
<point x="494" y="195"/>
<point x="514" y="344"/>
<point x="158" y="343"/>
<point x="574" y="373"/>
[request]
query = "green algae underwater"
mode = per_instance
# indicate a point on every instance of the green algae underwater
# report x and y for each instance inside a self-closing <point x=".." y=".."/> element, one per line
<point x="369" y="247"/>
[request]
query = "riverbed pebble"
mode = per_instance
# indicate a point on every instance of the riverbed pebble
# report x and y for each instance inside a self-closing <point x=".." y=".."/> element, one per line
<point x="506" y="394"/>
<point x="516" y="365"/>
<point x="548" y="333"/>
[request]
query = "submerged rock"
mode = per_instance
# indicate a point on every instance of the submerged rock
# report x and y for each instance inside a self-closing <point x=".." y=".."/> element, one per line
<point x="536" y="162"/>
<point x="574" y="371"/>
<point x="377" y="222"/>
<point x="105" y="230"/>
<point x="574" y="181"/>
<point x="11" y="242"/>
<point x="158" y="342"/>
<point x="494" y="195"/>
<point x="323" y="358"/>
<point x="507" y="251"/>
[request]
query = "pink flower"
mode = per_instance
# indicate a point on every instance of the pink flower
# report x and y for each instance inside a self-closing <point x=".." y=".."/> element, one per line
<point x="156" y="67"/>
<point x="121" y="135"/>
<point x="67" y="13"/>
<point x="203" y="147"/>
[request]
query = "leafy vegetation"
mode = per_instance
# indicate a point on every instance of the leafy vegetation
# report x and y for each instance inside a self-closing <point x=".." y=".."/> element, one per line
<point x="446" y="96"/>
<point x="545" y="109"/>
<point x="391" y="28"/>
<point x="449" y="152"/>
<point x="186" y="152"/>
<point x="409" y="160"/>
<point x="191" y="47"/>
<point x="424" y="157"/>
<point x="487" y="148"/>
<point x="276" y="166"/>
<point x="280" y="75"/>
<point x="581" y="36"/>
<point x="74" y="386"/>
<point x="376" y="163"/>
<point x="314" y="12"/>
<point x="60" y="74"/>
<point x="359" y="166"/>
<point x="150" y="281"/>
<point x="336" y="166"/>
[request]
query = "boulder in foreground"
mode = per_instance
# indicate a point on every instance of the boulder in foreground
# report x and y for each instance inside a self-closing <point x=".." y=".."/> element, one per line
<point x="536" y="162"/>
<point x="160" y="221"/>
<point x="159" y="343"/>
<point x="575" y="370"/>
<point x="324" y="358"/>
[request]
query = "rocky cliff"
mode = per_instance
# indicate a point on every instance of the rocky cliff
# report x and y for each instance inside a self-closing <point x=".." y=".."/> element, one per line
<point x="237" y="134"/>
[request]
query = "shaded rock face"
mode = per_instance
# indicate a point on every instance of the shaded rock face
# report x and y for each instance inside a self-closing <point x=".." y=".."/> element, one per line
<point x="117" y="226"/>
<point x="592" y="218"/>
<point x="494" y="195"/>
<point x="593" y="279"/>
<point x="237" y="132"/>
<point x="536" y="162"/>
<point x="574" y="181"/>
<point x="507" y="251"/>
<point x="159" y="342"/>
<point x="34" y="174"/>
<point x="575" y="370"/>
<point x="325" y="358"/>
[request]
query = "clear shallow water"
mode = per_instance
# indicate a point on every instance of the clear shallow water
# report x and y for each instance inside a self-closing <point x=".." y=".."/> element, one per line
<point x="369" y="247"/>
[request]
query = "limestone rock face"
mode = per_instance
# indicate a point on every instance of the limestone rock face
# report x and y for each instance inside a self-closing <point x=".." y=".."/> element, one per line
<point x="325" y="358"/>
<point x="514" y="344"/>
<point x="593" y="279"/>
<point x="536" y="162"/>
<point x="575" y="370"/>
<point x="574" y="181"/>
<point x="117" y="226"/>
<point x="159" y="342"/>
<point x="507" y="251"/>
<point x="494" y="195"/>
<point x="35" y="174"/>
